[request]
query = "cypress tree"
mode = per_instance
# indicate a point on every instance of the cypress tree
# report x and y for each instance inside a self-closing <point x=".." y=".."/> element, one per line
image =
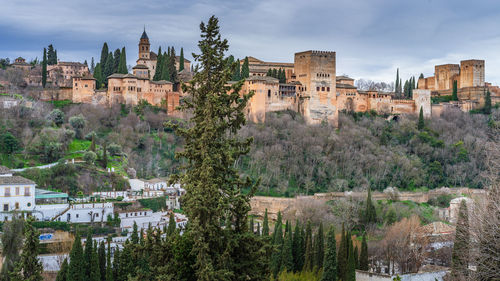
<point x="287" y="253"/>
<point x="454" y="94"/>
<point x="95" y="272"/>
<point x="275" y="73"/>
<point x="172" y="68"/>
<point x="171" y="225"/>
<point x="87" y="254"/>
<point x="104" y="54"/>
<point x="245" y="70"/>
<point x="397" y="85"/>
<point x="342" y="255"/>
<point x="76" y="271"/>
<point x="92" y="66"/>
<point x="237" y="72"/>
<point x="29" y="266"/>
<point x="258" y="229"/>
<point x="159" y="64"/>
<point x="116" y="264"/>
<point x="309" y="251"/>
<point x="214" y="187"/>
<point x="108" y="68"/>
<point x="51" y="56"/>
<point x="363" y="259"/>
<point x="330" y="261"/>
<point x="487" y="103"/>
<point x="109" y="268"/>
<point x="251" y="227"/>
<point x="277" y="243"/>
<point x="44" y="68"/>
<point x="98" y="76"/>
<point x="421" y="122"/>
<point x="165" y="68"/>
<point x="92" y="143"/>
<point x="265" y="225"/>
<point x="269" y="72"/>
<point x="104" y="155"/>
<point x="351" y="265"/>
<point x="62" y="275"/>
<point x="278" y="226"/>
<point x="102" y="260"/>
<point x="116" y="61"/>
<point x="298" y="255"/>
<point x="135" y="235"/>
<point x="181" y="60"/>
<point x="370" y="212"/>
<point x="122" y="62"/>
<point x="319" y="247"/>
<point x="461" y="247"/>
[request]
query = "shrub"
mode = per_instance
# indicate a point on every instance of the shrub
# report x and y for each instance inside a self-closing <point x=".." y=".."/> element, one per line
<point x="154" y="204"/>
<point x="115" y="149"/>
<point x="89" y="157"/>
<point x="56" y="116"/>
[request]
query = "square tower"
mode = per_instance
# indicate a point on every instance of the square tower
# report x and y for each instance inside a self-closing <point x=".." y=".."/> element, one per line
<point x="444" y="74"/>
<point x="471" y="73"/>
<point x="316" y="71"/>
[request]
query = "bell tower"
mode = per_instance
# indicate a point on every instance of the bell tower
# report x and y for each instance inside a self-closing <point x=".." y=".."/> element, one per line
<point x="144" y="46"/>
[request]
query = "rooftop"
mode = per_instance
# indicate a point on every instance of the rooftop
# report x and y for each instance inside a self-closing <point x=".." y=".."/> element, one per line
<point x="144" y="35"/>
<point x="345" y="86"/>
<point x="140" y="66"/>
<point x="15" y="180"/>
<point x="4" y="170"/>
<point x="343" y="77"/>
<point x="263" y="78"/>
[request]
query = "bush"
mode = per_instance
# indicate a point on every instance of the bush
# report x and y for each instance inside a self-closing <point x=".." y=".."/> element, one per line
<point x="89" y="157"/>
<point x="78" y="123"/>
<point x="89" y="135"/>
<point x="115" y="149"/>
<point x="56" y="116"/>
<point x="56" y="225"/>
<point x="154" y="204"/>
<point x="442" y="201"/>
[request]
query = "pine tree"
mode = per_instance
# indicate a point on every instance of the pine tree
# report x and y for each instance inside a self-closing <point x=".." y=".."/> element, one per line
<point x="171" y="225"/>
<point x="265" y="225"/>
<point x="298" y="255"/>
<point x="370" y="212"/>
<point x="122" y="64"/>
<point x="109" y="268"/>
<point x="363" y="259"/>
<point x="351" y="265"/>
<point x="397" y="85"/>
<point x="135" y="235"/>
<point x="181" y="60"/>
<point x="159" y="64"/>
<point x="95" y="271"/>
<point x="454" y="94"/>
<point x="116" y="61"/>
<point x="76" y="271"/>
<point x="92" y="66"/>
<point x="319" y="247"/>
<point x="213" y="185"/>
<point x="245" y="70"/>
<point x="487" y="103"/>
<point x="421" y="122"/>
<point x="104" y="155"/>
<point x="87" y="253"/>
<point x="237" y="72"/>
<point x="309" y="251"/>
<point x="461" y="247"/>
<point x="342" y="256"/>
<point x="62" y="275"/>
<point x="44" y="68"/>
<point x="102" y="260"/>
<point x="330" y="261"/>
<point x="287" y="253"/>
<point x="51" y="55"/>
<point x="29" y="266"/>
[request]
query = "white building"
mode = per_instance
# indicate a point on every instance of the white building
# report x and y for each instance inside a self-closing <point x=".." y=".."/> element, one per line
<point x="136" y="184"/>
<point x="16" y="193"/>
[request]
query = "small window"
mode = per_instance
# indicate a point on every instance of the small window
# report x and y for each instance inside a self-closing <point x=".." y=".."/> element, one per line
<point x="96" y="215"/>
<point x="5" y="207"/>
<point x="317" y="89"/>
<point x="77" y="215"/>
<point x="16" y="205"/>
<point x="17" y="190"/>
<point x="7" y="191"/>
<point x="328" y="89"/>
<point x="322" y="89"/>
<point x="29" y="204"/>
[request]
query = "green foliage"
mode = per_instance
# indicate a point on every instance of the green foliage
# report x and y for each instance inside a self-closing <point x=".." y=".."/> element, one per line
<point x="299" y="276"/>
<point x="89" y="157"/>
<point x="454" y="95"/>
<point x="51" y="55"/>
<point x="12" y="241"/>
<point x="56" y="116"/>
<point x="319" y="247"/>
<point x="441" y="201"/>
<point x="8" y="143"/>
<point x="29" y="267"/>
<point x="265" y="225"/>
<point x="181" y="60"/>
<point x="55" y="225"/>
<point x="309" y="251"/>
<point x="461" y="247"/>
<point x="134" y="238"/>
<point x="98" y="75"/>
<point x="330" y="261"/>
<point x="370" y="213"/>
<point x="245" y="70"/>
<point x="62" y="275"/>
<point x="156" y="204"/>
<point x="421" y="122"/>
<point x="122" y="65"/>
<point x="441" y="99"/>
<point x="44" y="68"/>
<point x="78" y="123"/>
<point x="487" y="103"/>
<point x="363" y="256"/>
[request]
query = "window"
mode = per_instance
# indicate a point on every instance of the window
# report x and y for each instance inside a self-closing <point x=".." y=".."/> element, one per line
<point x="16" y="205"/>
<point x="17" y="190"/>
<point x="7" y="191"/>
<point x="5" y="207"/>
<point x="96" y="215"/>
<point x="86" y="86"/>
<point x="268" y="93"/>
<point x="317" y="89"/>
<point x="328" y="89"/>
<point x="26" y="191"/>
<point x="322" y="89"/>
<point x="29" y="205"/>
<point x="77" y="215"/>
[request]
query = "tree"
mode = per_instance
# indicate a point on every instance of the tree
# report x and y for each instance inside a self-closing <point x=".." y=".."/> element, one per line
<point x="78" y="123"/>
<point x="351" y="265"/>
<point x="461" y="246"/>
<point x="319" y="247"/>
<point x="89" y="157"/>
<point x="181" y="60"/>
<point x="370" y="211"/>
<point x="44" y="68"/>
<point x="214" y="187"/>
<point x="287" y="254"/>
<point x="171" y="224"/>
<point x="252" y="227"/>
<point x="171" y="67"/>
<point x="342" y="255"/>
<point x="297" y="245"/>
<point x="134" y="238"/>
<point x="309" y="251"/>
<point x="95" y="271"/>
<point x="29" y="267"/>
<point x="99" y="80"/>
<point x="356" y="257"/>
<point x="12" y="242"/>
<point x="269" y="72"/>
<point x="8" y="143"/>
<point x="265" y="225"/>
<point x="57" y="116"/>
<point x="109" y="268"/>
<point x="245" y="70"/>
<point x="277" y="242"/>
<point x="102" y="260"/>
<point x="398" y="83"/>
<point x="421" y="122"/>
<point x="454" y="94"/>
<point x="62" y="275"/>
<point x="363" y="257"/>
<point x="109" y="67"/>
<point x="116" y="61"/>
<point x="51" y="55"/>
<point x="104" y="155"/>
<point x="159" y="64"/>
<point x="87" y="254"/>
<point x="330" y="262"/>
<point x="104" y="55"/>
<point x="487" y="103"/>
<point x="122" y="65"/>
<point x="92" y="66"/>
<point x="237" y="73"/>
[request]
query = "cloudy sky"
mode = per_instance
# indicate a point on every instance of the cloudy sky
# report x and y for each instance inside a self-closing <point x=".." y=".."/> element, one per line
<point x="371" y="37"/>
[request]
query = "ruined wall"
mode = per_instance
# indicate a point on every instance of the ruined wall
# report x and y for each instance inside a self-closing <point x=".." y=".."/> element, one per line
<point x="471" y="73"/>
<point x="316" y="71"/>
<point x="402" y="106"/>
<point x="47" y="94"/>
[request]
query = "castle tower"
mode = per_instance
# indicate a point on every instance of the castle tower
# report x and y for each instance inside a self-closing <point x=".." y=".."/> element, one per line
<point x="316" y="71"/>
<point x="144" y="46"/>
<point x="471" y="73"/>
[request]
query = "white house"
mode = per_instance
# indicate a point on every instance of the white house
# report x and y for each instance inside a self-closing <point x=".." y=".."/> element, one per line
<point x="156" y="184"/>
<point x="16" y="193"/>
<point x="136" y="184"/>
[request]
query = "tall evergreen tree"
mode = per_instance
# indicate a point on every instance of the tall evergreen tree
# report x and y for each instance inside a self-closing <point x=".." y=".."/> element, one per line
<point x="62" y="275"/>
<point x="461" y="247"/>
<point x="287" y="253"/>
<point x="87" y="254"/>
<point x="245" y="70"/>
<point x="421" y="122"/>
<point x="214" y="187"/>
<point x="370" y="211"/>
<point x="44" y="68"/>
<point x="356" y="257"/>
<point x="159" y="65"/>
<point x="278" y="226"/>
<point x="277" y="242"/>
<point x="76" y="271"/>
<point x="116" y="60"/>
<point x="105" y="155"/>
<point x="269" y="72"/>
<point x="487" y="103"/>
<point x="122" y="62"/>
<point x="12" y="242"/>
<point x="181" y="60"/>
<point x="109" y="268"/>
<point x="363" y="258"/>
<point x="265" y="225"/>
<point x="108" y="68"/>
<point x="29" y="266"/>
<point x="102" y="260"/>
<point x="104" y="54"/>
<point x="116" y="264"/>
<point x="298" y="254"/>
<point x="275" y="73"/>
<point x="342" y="256"/>
<point x="134" y="238"/>
<point x="171" y="225"/>
<point x="330" y="261"/>
<point x="454" y="94"/>
<point x="165" y="68"/>
<point x="252" y="227"/>
<point x="237" y="71"/>
<point x="92" y="66"/>
<point x="397" y="85"/>
<point x="351" y="265"/>
<point x="319" y="247"/>
<point x="95" y="272"/>
<point x="309" y="250"/>
<point x="172" y="68"/>
<point x="99" y="81"/>
<point x="51" y="55"/>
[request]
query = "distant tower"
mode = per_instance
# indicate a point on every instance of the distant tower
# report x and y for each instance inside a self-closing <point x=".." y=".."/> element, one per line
<point x="144" y="46"/>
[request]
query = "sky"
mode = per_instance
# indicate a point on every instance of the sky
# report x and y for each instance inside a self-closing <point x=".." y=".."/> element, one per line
<point x="372" y="38"/>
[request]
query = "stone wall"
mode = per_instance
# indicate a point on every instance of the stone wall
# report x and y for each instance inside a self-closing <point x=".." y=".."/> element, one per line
<point x="471" y="73"/>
